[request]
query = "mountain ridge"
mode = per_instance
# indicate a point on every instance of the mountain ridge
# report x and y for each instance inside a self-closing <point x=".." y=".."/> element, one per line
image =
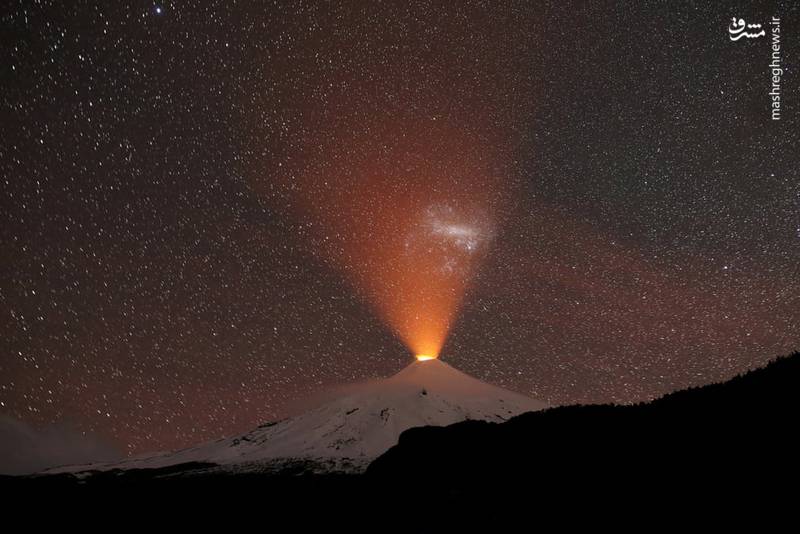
<point x="702" y="430"/>
<point x="594" y="461"/>
<point x="347" y="433"/>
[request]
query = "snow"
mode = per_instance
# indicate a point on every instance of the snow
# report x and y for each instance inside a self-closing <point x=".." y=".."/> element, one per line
<point x="356" y="427"/>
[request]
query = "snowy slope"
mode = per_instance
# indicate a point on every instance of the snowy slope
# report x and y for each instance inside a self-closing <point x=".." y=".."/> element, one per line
<point x="352" y="430"/>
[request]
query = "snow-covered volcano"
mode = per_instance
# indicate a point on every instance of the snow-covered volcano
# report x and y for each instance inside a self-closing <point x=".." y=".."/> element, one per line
<point x="350" y="431"/>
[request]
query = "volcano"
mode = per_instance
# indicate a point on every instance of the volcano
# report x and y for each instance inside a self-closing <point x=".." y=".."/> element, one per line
<point x="347" y="433"/>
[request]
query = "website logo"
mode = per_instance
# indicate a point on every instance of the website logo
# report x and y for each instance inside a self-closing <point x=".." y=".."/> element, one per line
<point x="738" y="27"/>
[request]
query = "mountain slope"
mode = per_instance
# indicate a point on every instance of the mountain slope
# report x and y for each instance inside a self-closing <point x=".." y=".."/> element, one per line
<point x="717" y="435"/>
<point x="350" y="431"/>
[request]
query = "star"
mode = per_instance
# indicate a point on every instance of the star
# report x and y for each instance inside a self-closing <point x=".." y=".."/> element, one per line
<point x="206" y="226"/>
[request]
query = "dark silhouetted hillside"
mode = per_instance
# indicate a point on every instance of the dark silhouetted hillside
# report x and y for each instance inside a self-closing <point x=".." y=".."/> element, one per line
<point x="698" y="449"/>
<point x="714" y="437"/>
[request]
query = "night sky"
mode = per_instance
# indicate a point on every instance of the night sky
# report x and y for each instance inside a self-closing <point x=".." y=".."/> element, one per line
<point x="209" y="210"/>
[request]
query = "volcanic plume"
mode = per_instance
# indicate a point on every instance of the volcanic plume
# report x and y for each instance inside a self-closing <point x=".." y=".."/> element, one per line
<point x="406" y="217"/>
<point x="403" y="170"/>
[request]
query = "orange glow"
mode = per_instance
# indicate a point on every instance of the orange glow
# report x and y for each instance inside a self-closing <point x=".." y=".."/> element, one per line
<point x="425" y="357"/>
<point x="407" y="213"/>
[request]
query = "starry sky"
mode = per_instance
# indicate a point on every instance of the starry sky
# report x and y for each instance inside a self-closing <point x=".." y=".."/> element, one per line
<point x="209" y="210"/>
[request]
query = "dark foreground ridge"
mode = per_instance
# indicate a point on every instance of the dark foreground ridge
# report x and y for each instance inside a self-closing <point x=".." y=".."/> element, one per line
<point x="732" y="439"/>
<point x="715" y="436"/>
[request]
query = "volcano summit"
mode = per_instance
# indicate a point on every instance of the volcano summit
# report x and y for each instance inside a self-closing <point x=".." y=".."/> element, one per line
<point x="347" y="433"/>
